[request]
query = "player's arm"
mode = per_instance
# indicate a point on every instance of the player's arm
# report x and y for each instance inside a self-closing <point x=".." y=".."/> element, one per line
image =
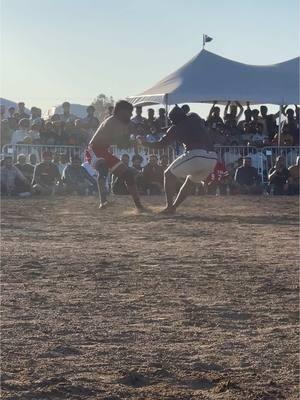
<point x="226" y="108"/>
<point x="165" y="141"/>
<point x="211" y="110"/>
<point x="241" y="110"/>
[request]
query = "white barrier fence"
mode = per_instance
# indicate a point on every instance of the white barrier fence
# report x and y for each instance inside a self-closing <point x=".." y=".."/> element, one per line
<point x="262" y="158"/>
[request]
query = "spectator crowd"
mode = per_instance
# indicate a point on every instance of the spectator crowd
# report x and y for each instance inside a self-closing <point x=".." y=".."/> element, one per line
<point x="62" y="174"/>
<point x="256" y="128"/>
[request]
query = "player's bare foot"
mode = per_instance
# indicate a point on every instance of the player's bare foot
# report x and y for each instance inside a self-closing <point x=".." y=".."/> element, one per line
<point x="104" y="205"/>
<point x="168" y="211"/>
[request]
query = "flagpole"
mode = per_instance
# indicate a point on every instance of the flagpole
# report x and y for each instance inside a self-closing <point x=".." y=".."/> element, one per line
<point x="203" y="42"/>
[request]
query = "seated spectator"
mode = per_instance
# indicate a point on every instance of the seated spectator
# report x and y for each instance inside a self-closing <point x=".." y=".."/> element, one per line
<point x="246" y="178"/>
<point x="61" y="161"/>
<point x="21" y="136"/>
<point x="294" y="177"/>
<point x="118" y="184"/>
<point x="12" y="179"/>
<point x="219" y="180"/>
<point x="161" y="121"/>
<point x="66" y="116"/>
<point x="26" y="168"/>
<point x="285" y="138"/>
<point x="137" y="168"/>
<point x="139" y="123"/>
<point x="278" y="177"/>
<point x="164" y="161"/>
<point x="33" y="159"/>
<point x="46" y="176"/>
<point x="153" y="176"/>
<point x="214" y="121"/>
<point x="76" y="179"/>
<point x="21" y="111"/>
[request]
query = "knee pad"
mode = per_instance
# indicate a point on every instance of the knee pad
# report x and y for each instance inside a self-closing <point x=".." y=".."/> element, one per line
<point x="128" y="177"/>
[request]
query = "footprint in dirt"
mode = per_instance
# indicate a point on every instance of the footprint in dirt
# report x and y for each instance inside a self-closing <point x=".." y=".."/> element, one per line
<point x="135" y="379"/>
<point x="61" y="351"/>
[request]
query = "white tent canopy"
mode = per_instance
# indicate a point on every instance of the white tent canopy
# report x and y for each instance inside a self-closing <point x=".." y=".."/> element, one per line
<point x="208" y="77"/>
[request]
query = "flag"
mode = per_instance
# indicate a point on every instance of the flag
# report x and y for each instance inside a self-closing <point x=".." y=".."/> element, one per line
<point x="206" y="39"/>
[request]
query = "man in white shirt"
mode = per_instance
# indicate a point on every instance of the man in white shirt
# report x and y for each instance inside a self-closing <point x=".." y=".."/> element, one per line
<point x="67" y="116"/>
<point x="21" y="135"/>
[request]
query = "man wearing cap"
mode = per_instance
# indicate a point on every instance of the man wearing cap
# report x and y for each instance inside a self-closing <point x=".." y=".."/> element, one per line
<point x="46" y="176"/>
<point x="114" y="131"/>
<point x="195" y="164"/>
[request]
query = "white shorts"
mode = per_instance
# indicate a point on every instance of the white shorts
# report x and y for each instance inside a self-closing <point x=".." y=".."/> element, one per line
<point x="196" y="164"/>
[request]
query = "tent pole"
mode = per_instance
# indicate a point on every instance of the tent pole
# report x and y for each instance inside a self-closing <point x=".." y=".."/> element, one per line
<point x="279" y="127"/>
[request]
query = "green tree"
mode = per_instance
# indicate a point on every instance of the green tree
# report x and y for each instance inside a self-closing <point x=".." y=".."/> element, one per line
<point x="101" y="104"/>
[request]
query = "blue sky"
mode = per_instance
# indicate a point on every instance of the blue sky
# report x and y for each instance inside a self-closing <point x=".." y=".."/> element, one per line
<point x="56" y="50"/>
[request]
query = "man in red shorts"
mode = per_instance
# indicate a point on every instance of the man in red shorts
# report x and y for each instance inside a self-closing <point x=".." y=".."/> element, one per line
<point x="114" y="131"/>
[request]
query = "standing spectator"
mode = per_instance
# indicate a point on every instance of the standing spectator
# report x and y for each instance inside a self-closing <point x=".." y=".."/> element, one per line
<point x="5" y="132"/>
<point x="26" y="169"/>
<point x="77" y="179"/>
<point x="247" y="179"/>
<point x="139" y="123"/>
<point x="21" y="111"/>
<point x="12" y="120"/>
<point x="137" y="162"/>
<point x="49" y="135"/>
<point x="153" y="176"/>
<point x="66" y="116"/>
<point x="46" y="176"/>
<point x="161" y="121"/>
<point x="294" y="171"/>
<point x="233" y="117"/>
<point x="34" y="133"/>
<point x="268" y="121"/>
<point x="214" y="121"/>
<point x="151" y="121"/>
<point x="12" y="179"/>
<point x="21" y="135"/>
<point x="35" y="118"/>
<point x="291" y="124"/>
<point x="285" y="138"/>
<point x="185" y="108"/>
<point x="90" y="122"/>
<point x="278" y="177"/>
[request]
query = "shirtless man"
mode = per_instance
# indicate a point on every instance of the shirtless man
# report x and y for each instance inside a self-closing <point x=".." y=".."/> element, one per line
<point x="195" y="164"/>
<point x="114" y="131"/>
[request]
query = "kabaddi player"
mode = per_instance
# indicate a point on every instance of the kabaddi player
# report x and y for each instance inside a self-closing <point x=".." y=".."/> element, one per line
<point x="114" y="130"/>
<point x="195" y="164"/>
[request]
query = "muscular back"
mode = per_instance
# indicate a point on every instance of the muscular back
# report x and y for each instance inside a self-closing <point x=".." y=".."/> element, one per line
<point x="112" y="131"/>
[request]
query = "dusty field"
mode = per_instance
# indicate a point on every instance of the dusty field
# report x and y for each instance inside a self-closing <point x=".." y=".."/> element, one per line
<point x="112" y="305"/>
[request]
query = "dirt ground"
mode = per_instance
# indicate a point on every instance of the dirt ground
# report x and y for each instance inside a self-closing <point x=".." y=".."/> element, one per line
<point x="114" y="305"/>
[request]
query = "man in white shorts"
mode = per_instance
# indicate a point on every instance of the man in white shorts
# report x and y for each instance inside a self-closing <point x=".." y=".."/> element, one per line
<point x="197" y="162"/>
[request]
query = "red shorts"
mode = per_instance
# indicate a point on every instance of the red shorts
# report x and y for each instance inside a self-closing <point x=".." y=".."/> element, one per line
<point x="98" y="152"/>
